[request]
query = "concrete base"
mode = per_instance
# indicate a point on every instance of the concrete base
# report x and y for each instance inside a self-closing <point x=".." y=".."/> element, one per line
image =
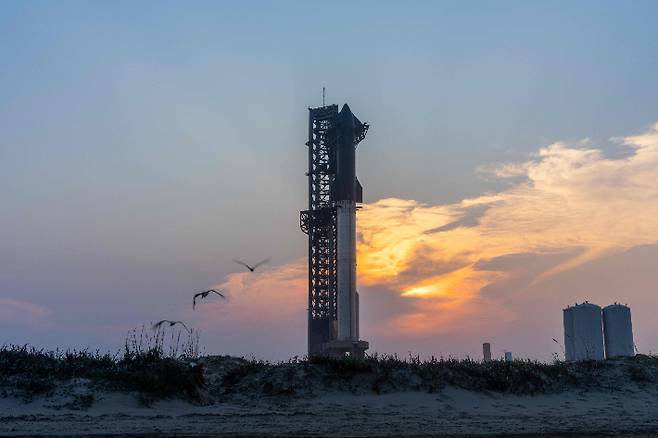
<point x="355" y="349"/>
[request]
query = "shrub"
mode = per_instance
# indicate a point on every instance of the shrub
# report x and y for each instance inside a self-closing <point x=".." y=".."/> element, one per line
<point x="32" y="371"/>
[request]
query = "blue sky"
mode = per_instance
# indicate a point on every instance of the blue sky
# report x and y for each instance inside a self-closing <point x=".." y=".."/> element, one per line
<point x="146" y="144"/>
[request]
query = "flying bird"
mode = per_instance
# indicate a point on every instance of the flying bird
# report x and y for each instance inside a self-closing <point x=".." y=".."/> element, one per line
<point x="205" y="294"/>
<point x="251" y="268"/>
<point x="158" y="324"/>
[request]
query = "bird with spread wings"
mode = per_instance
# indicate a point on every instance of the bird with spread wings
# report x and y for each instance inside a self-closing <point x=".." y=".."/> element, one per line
<point x="159" y="324"/>
<point x="251" y="268"/>
<point x="205" y="294"/>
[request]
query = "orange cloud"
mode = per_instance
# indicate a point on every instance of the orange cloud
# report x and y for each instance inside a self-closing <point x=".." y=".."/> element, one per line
<point x="266" y="294"/>
<point x="570" y="200"/>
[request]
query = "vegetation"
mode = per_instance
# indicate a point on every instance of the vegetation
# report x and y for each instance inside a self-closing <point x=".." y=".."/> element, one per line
<point x="149" y="365"/>
<point x="383" y="374"/>
<point x="157" y="366"/>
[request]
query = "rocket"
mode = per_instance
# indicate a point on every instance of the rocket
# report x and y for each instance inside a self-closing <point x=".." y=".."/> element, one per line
<point x="347" y="192"/>
<point x="330" y="223"/>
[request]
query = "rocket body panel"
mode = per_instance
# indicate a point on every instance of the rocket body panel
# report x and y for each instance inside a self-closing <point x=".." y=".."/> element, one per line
<point x="346" y="157"/>
<point x="346" y="270"/>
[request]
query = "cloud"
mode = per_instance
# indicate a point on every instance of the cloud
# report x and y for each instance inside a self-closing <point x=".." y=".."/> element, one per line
<point x="17" y="312"/>
<point x="270" y="292"/>
<point x="569" y="205"/>
<point x="571" y="200"/>
<point x="264" y="313"/>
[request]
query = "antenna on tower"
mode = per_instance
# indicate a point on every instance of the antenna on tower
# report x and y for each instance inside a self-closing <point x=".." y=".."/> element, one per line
<point x="323" y="97"/>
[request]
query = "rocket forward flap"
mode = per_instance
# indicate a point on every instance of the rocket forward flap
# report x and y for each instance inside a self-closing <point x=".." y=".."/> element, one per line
<point x="360" y="131"/>
<point x="359" y="191"/>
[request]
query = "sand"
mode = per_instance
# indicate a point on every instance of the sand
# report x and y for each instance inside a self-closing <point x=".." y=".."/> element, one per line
<point x="631" y="411"/>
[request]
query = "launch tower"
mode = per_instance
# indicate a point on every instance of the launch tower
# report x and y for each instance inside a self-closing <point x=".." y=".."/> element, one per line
<point x="330" y="222"/>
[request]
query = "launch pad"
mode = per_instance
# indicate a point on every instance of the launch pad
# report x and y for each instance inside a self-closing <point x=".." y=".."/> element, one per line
<point x="330" y="222"/>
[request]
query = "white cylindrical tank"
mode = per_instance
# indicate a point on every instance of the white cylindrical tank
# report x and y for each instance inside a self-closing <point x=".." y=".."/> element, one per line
<point x="618" y="331"/>
<point x="583" y="332"/>
<point x="569" y="347"/>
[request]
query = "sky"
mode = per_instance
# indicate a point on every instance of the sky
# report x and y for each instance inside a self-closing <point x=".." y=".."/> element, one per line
<point x="510" y="170"/>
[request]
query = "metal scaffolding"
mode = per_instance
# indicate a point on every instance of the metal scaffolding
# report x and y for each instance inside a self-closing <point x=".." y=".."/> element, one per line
<point x="319" y="222"/>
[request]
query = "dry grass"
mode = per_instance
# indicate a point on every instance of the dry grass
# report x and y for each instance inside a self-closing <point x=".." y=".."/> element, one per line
<point x="157" y="365"/>
<point x="385" y="374"/>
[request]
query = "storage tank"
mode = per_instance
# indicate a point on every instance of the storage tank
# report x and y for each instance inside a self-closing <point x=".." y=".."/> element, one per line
<point x="569" y="348"/>
<point x="618" y="331"/>
<point x="583" y="332"/>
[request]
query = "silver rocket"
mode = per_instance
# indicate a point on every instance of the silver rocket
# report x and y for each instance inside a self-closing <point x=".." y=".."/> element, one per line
<point x="347" y="192"/>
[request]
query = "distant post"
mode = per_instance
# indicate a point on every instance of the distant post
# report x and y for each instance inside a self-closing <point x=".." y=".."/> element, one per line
<point x="486" y="351"/>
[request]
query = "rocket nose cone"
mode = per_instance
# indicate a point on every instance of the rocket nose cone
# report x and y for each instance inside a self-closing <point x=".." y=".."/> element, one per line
<point x="345" y="111"/>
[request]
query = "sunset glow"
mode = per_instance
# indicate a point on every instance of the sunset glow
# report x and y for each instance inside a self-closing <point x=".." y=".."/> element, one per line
<point x="510" y="169"/>
<point x="570" y="200"/>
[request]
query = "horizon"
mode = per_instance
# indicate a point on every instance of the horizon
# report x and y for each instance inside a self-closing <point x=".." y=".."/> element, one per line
<point x="510" y="170"/>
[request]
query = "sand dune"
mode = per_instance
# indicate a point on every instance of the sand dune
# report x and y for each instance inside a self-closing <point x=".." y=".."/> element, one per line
<point x="243" y="398"/>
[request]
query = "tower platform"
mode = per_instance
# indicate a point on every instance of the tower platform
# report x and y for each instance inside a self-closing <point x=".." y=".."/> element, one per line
<point x="356" y="349"/>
